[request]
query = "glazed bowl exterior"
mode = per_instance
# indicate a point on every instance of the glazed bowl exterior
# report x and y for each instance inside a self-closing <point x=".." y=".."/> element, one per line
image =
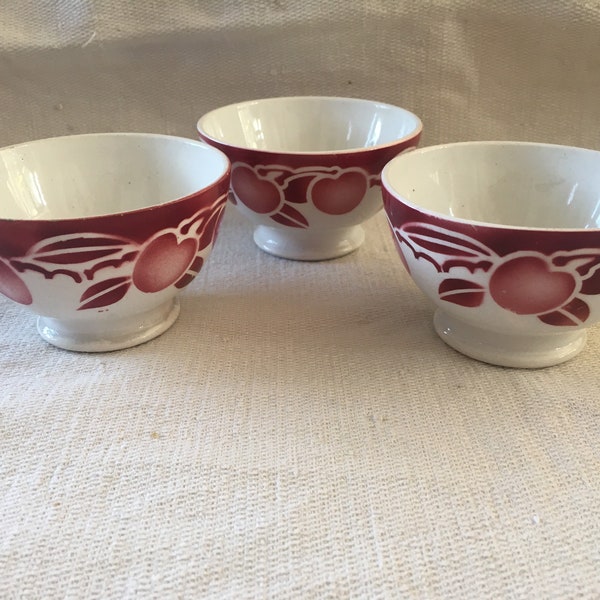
<point x="504" y="239"/>
<point x="99" y="232"/>
<point x="306" y="170"/>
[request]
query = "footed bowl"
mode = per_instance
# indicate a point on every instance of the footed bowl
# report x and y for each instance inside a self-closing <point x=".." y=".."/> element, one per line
<point x="504" y="239"/>
<point x="305" y="170"/>
<point x="99" y="232"/>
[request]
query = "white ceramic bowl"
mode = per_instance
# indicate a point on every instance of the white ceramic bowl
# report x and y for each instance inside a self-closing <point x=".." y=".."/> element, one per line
<point x="98" y="232"/>
<point x="504" y="238"/>
<point x="305" y="170"/>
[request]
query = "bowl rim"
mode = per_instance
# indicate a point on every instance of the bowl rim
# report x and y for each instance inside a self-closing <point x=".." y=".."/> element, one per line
<point x="418" y="129"/>
<point x="221" y="178"/>
<point x="397" y="197"/>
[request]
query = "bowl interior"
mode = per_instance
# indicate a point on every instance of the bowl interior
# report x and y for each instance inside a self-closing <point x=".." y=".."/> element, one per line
<point x="502" y="183"/>
<point x="308" y="124"/>
<point x="98" y="174"/>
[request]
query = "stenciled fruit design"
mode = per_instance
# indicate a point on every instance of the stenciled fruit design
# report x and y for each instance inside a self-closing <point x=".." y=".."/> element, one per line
<point x="550" y="287"/>
<point x="172" y="256"/>
<point x="163" y="261"/>
<point x="277" y="191"/>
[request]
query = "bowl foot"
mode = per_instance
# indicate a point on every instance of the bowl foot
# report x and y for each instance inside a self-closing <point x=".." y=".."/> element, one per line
<point x="507" y="350"/>
<point x="105" y="335"/>
<point x="308" y="245"/>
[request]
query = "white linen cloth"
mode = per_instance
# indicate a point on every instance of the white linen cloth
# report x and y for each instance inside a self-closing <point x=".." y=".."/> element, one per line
<point x="300" y="432"/>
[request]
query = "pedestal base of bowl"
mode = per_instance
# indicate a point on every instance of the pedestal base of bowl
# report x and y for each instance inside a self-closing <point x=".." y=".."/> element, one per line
<point x="103" y="335"/>
<point x="506" y="350"/>
<point x="302" y="244"/>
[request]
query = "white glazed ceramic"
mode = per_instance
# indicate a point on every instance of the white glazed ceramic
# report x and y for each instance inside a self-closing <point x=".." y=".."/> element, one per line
<point x="99" y="232"/>
<point x="305" y="170"/>
<point x="504" y="238"/>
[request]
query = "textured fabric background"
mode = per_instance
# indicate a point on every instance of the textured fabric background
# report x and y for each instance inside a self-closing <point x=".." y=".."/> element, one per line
<point x="300" y="432"/>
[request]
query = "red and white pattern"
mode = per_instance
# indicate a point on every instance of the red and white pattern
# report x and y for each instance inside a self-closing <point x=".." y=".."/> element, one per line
<point x="551" y="287"/>
<point x="107" y="266"/>
<point x="278" y="191"/>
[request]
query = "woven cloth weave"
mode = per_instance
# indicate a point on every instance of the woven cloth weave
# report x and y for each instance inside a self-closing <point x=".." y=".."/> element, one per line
<point x="300" y="432"/>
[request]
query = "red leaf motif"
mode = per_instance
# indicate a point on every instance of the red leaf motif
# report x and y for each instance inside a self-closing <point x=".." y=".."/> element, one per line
<point x="78" y="241"/>
<point x="462" y="292"/>
<point x="572" y="314"/>
<point x="444" y="248"/>
<point x="191" y="273"/>
<point x="587" y="264"/>
<point x="289" y="216"/>
<point x="591" y="285"/>
<point x="194" y="225"/>
<point x="295" y="188"/>
<point x="76" y="249"/>
<point x="104" y="293"/>
<point x="85" y="253"/>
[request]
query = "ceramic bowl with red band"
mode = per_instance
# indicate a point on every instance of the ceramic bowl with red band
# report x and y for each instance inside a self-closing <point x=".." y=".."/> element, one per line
<point x="306" y="170"/>
<point x="504" y="239"/>
<point x="99" y="232"/>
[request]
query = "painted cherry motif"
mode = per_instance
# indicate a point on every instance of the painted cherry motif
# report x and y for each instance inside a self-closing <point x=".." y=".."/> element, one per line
<point x="526" y="285"/>
<point x="162" y="262"/>
<point x="339" y="195"/>
<point x="549" y="287"/>
<point x="257" y="193"/>
<point x="272" y="190"/>
<point x="172" y="256"/>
